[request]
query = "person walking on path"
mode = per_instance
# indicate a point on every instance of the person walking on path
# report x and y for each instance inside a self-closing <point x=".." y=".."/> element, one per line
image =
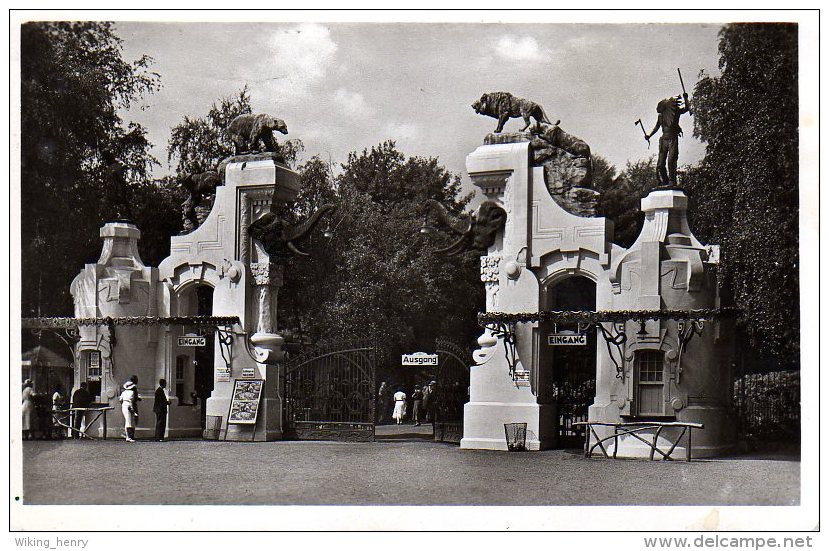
<point x="417" y="405"/>
<point x="160" y="409"/>
<point x="81" y="398"/>
<point x="427" y="402"/>
<point x="383" y="395"/>
<point x="28" y="409"/>
<point x="399" y="406"/>
<point x="128" y="408"/>
<point x="57" y="405"/>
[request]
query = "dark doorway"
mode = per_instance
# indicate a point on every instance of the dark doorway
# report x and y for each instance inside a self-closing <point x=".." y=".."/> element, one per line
<point x="573" y="368"/>
<point x="204" y="355"/>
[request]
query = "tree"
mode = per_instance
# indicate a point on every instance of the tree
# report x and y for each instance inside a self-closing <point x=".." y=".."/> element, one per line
<point x="378" y="276"/>
<point x="621" y="194"/>
<point x="74" y="83"/>
<point x="744" y="193"/>
<point x="307" y="280"/>
<point x="199" y="144"/>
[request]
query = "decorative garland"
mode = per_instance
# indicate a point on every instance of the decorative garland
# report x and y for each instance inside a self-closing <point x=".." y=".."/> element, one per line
<point x="63" y="323"/>
<point x="503" y="324"/>
<point x="614" y="316"/>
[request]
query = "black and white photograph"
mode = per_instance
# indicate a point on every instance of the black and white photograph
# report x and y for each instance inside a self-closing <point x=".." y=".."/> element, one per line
<point x="414" y="271"/>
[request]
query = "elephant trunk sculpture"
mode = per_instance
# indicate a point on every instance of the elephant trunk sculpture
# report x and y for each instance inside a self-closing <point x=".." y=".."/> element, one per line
<point x="278" y="237"/>
<point x="480" y="231"/>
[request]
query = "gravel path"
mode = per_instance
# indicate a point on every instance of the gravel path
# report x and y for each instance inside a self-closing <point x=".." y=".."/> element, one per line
<point x="425" y="473"/>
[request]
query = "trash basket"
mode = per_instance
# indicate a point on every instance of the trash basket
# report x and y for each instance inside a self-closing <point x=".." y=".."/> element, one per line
<point x="516" y="436"/>
<point x="212" y="427"/>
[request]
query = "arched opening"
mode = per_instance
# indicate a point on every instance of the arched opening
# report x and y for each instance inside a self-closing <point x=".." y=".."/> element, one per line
<point x="193" y="373"/>
<point x="568" y="358"/>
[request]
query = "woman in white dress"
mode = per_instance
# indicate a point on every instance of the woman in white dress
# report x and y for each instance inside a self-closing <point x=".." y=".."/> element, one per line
<point x="399" y="406"/>
<point x="57" y="405"/>
<point x="28" y="409"/>
<point x="128" y="408"/>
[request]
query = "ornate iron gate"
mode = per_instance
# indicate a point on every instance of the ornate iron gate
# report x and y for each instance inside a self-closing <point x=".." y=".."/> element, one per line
<point x="575" y="382"/>
<point x="451" y="390"/>
<point x="330" y="392"/>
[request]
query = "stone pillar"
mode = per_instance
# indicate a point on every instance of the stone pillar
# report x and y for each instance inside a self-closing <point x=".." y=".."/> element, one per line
<point x="497" y="396"/>
<point x="252" y="184"/>
<point x="267" y="279"/>
<point x="542" y="242"/>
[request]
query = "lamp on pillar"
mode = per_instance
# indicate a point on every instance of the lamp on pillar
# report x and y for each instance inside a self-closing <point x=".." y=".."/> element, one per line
<point x="643" y="331"/>
<point x="425" y="228"/>
<point x="328" y="232"/>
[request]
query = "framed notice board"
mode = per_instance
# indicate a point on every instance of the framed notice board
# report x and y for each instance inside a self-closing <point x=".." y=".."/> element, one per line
<point x="244" y="404"/>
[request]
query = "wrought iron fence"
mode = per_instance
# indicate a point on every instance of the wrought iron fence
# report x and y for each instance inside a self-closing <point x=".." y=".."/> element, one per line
<point x="451" y="391"/>
<point x="329" y="392"/>
<point x="768" y="405"/>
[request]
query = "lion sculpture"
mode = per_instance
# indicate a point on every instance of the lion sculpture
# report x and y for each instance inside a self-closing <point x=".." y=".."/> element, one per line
<point x="504" y="106"/>
<point x="248" y="131"/>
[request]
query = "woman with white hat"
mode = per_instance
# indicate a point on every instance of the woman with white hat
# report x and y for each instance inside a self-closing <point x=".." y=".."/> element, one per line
<point x="129" y="409"/>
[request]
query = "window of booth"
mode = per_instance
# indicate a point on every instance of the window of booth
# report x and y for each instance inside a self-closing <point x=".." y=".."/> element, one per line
<point x="650" y="382"/>
<point x="181" y="372"/>
<point x="93" y="374"/>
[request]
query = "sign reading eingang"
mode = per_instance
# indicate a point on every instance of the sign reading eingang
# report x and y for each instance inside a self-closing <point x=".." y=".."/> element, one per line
<point x="567" y="339"/>
<point x="192" y="341"/>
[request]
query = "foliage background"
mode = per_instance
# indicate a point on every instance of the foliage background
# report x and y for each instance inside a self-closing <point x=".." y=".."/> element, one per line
<point x="376" y="275"/>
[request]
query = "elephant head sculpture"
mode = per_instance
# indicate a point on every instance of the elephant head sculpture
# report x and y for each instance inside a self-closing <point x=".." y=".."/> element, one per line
<point x="277" y="236"/>
<point x="478" y="233"/>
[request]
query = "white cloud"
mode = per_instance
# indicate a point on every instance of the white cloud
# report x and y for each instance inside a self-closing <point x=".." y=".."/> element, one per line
<point x="401" y="131"/>
<point x="351" y="103"/>
<point x="300" y="57"/>
<point x="520" y="48"/>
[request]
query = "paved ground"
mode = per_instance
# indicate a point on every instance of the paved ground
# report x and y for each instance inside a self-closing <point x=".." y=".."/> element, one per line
<point x="402" y="462"/>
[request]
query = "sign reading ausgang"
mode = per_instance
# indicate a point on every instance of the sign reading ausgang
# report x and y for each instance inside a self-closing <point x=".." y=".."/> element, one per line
<point x="192" y="341"/>
<point x="567" y="339"/>
<point x="420" y="358"/>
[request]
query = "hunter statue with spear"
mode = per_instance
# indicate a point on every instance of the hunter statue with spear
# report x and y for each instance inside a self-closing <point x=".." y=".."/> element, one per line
<point x="669" y="111"/>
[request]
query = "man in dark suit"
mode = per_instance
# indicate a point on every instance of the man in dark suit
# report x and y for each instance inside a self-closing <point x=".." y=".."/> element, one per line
<point x="81" y="398"/>
<point x="160" y="409"/>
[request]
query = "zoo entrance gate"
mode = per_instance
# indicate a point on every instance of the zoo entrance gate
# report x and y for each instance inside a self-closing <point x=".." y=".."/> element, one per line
<point x="330" y="393"/>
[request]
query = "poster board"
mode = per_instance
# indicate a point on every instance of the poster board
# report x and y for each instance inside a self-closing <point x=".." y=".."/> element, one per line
<point x="244" y="404"/>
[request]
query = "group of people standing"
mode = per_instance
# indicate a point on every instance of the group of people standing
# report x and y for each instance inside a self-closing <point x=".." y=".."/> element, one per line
<point x="82" y="399"/>
<point x="421" y="400"/>
<point x="30" y="422"/>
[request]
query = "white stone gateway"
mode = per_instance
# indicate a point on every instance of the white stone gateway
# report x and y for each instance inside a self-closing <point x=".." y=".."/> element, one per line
<point x="658" y="379"/>
<point x="217" y="270"/>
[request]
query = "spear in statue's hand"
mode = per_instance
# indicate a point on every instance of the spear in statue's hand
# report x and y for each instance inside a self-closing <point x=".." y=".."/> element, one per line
<point x="639" y="122"/>
<point x="684" y="93"/>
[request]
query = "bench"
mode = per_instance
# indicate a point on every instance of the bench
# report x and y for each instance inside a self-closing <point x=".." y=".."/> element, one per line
<point x="633" y="428"/>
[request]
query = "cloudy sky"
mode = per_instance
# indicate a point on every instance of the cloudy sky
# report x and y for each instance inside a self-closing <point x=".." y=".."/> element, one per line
<point x="343" y="87"/>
